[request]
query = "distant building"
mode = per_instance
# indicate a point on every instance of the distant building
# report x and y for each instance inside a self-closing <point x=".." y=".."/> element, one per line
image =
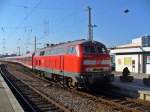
<point x="135" y="55"/>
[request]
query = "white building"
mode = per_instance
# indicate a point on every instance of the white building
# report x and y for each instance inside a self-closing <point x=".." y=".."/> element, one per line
<point x="135" y="55"/>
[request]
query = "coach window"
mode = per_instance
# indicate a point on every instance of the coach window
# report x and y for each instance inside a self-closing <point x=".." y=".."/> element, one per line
<point x="47" y="52"/>
<point x="62" y="51"/>
<point x="71" y="50"/>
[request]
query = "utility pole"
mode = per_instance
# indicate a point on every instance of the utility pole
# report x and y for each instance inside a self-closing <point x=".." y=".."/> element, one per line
<point x="89" y="25"/>
<point x="34" y="43"/>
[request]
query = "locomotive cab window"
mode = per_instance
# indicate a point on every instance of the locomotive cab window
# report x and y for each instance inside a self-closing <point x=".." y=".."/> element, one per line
<point x="89" y="49"/>
<point x="101" y="49"/>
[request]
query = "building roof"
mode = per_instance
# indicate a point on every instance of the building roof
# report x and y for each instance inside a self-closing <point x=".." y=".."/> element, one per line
<point x="132" y="45"/>
<point x="141" y="44"/>
<point x="130" y="50"/>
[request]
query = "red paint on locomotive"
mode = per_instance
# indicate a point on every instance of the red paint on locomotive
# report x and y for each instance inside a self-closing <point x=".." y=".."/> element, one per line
<point x="83" y="61"/>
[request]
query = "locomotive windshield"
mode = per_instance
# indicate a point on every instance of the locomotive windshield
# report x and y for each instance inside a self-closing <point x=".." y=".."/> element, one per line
<point x="94" y="49"/>
<point x="101" y="49"/>
<point x="89" y="49"/>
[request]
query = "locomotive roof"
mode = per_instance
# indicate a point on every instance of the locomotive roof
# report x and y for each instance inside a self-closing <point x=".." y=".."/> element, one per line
<point x="69" y="43"/>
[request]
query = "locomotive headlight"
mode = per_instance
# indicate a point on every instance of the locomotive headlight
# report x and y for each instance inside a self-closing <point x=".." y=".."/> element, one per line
<point x="89" y="62"/>
<point x="106" y="62"/>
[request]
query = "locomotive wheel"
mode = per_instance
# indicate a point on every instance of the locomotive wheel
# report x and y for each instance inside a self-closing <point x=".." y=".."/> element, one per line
<point x="54" y="78"/>
<point x="69" y="83"/>
<point x="43" y="75"/>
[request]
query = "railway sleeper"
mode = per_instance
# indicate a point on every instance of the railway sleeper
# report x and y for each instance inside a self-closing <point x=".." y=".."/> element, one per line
<point x="26" y="89"/>
<point x="132" y="105"/>
<point x="27" y="93"/>
<point x="125" y="103"/>
<point x="45" y="105"/>
<point x="39" y="103"/>
<point x="35" y="99"/>
<point x="118" y="101"/>
<point x="21" y="86"/>
<point x="30" y="96"/>
<point x="49" y="109"/>
<point x="140" y="108"/>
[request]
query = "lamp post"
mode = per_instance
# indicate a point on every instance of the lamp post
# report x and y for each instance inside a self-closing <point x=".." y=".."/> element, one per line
<point x="90" y="25"/>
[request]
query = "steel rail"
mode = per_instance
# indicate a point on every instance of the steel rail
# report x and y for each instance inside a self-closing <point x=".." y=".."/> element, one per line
<point x="112" y="103"/>
<point x="27" y="103"/>
<point x="62" y="108"/>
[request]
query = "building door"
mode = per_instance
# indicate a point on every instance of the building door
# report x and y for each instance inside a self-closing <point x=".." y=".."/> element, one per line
<point x="148" y="65"/>
<point x="147" y="68"/>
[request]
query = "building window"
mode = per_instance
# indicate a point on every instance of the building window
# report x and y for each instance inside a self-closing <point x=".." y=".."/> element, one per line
<point x="148" y="59"/>
<point x="127" y="61"/>
<point x="119" y="61"/>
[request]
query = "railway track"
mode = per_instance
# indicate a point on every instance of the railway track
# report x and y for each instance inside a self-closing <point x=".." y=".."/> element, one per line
<point x="119" y="102"/>
<point x="116" y="103"/>
<point x="32" y="99"/>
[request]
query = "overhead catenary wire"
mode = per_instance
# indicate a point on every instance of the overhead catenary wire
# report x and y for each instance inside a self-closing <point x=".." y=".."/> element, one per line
<point x="30" y="13"/>
<point x="24" y="28"/>
<point x="43" y="8"/>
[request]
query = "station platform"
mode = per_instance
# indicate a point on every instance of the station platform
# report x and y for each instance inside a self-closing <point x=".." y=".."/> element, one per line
<point x="134" y="89"/>
<point x="8" y="102"/>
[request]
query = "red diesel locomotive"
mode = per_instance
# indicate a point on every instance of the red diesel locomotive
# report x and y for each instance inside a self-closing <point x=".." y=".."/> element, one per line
<point x="78" y="63"/>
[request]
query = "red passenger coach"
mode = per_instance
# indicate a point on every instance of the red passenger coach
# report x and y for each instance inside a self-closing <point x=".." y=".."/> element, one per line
<point x="77" y="63"/>
<point x="25" y="60"/>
